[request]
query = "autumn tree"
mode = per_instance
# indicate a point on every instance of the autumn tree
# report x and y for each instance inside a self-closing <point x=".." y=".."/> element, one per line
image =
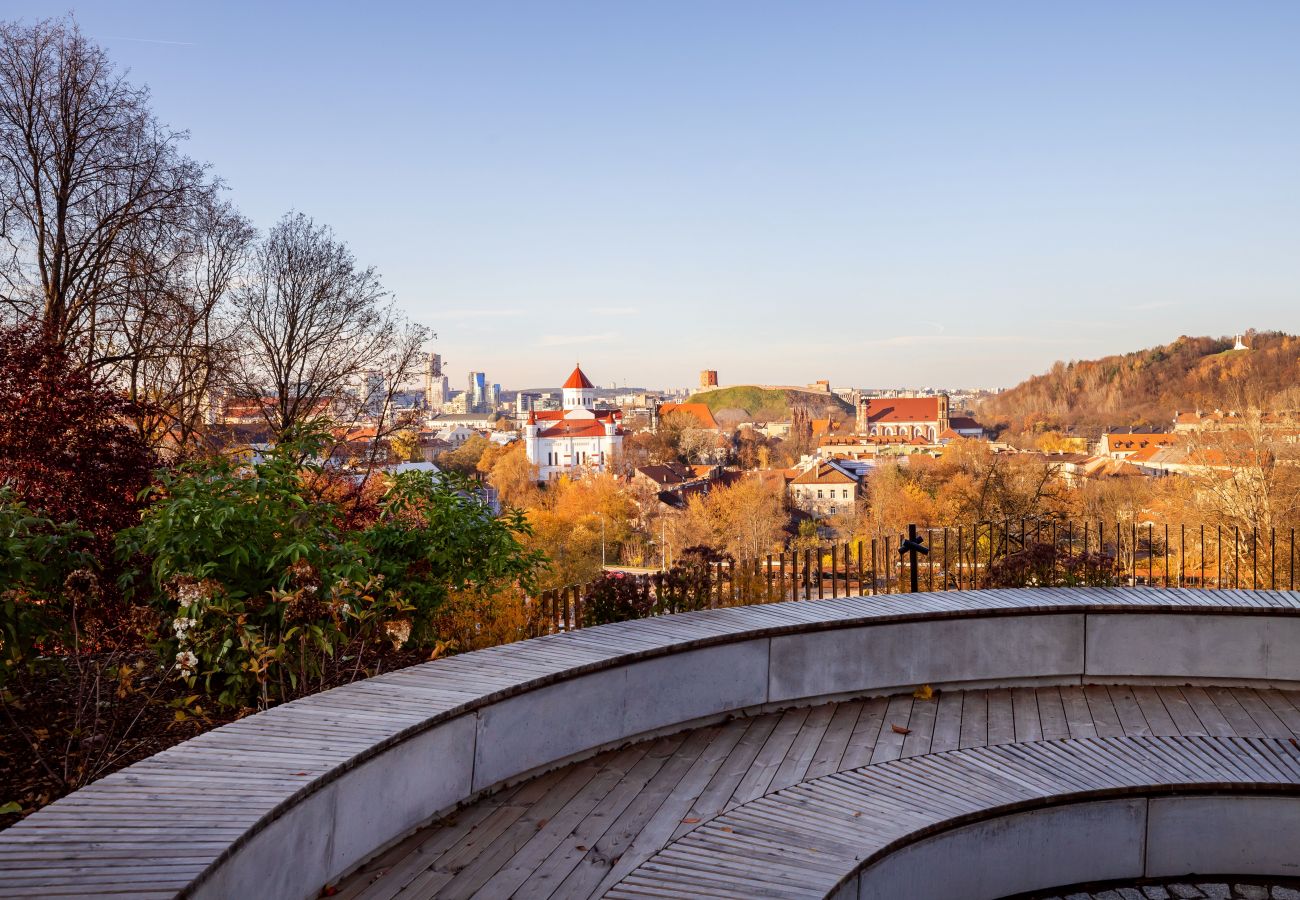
<point x="575" y="518"/>
<point x="514" y="477"/>
<point x="745" y="520"/>
<point x="405" y="444"/>
<point x="66" y="446"/>
<point x="465" y="458"/>
<point x="1247" y="475"/>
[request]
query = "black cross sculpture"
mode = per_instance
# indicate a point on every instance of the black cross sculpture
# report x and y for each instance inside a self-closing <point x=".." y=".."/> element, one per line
<point x="912" y="544"/>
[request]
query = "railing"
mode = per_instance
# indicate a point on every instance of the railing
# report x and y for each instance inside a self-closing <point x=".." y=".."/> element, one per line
<point x="983" y="555"/>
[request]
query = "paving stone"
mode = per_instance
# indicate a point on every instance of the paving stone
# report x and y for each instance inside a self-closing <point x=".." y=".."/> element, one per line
<point x="1129" y="893"/>
<point x="1185" y="891"/>
<point x="1155" y="892"/>
<point x="1285" y="893"/>
<point x="1250" y="891"/>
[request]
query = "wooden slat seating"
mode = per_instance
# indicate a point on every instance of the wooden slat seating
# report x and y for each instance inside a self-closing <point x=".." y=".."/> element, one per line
<point x="282" y="802"/>
<point x="1000" y="820"/>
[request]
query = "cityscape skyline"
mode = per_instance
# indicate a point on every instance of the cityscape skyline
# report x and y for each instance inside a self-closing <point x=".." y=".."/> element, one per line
<point x="871" y="195"/>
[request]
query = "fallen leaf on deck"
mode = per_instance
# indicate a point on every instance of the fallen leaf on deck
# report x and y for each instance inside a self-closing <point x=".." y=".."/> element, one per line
<point x="581" y="847"/>
<point x="727" y="829"/>
<point x="690" y="821"/>
<point x="924" y="692"/>
<point x="297" y="773"/>
<point x="899" y="729"/>
<point x="541" y="823"/>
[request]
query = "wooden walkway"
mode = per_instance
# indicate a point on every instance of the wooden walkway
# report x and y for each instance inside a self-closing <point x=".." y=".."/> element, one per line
<point x="600" y="827"/>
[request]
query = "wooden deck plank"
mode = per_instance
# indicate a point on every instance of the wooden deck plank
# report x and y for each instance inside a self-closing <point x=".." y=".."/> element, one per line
<point x="836" y="739"/>
<point x="1282" y="708"/>
<point x="769" y="759"/>
<point x="795" y="765"/>
<point x="1242" y="724"/>
<point x="1261" y="713"/>
<point x="974" y="719"/>
<point x="1104" y="717"/>
<point x="892" y="733"/>
<point x="947" y="722"/>
<point x="1211" y="717"/>
<point x="1002" y="720"/>
<point x="1078" y="714"/>
<point x="556" y="850"/>
<point x="862" y="743"/>
<point x="1051" y="714"/>
<point x="1185" y="718"/>
<point x="1024" y="711"/>
<point x="921" y="724"/>
<point x="1130" y="714"/>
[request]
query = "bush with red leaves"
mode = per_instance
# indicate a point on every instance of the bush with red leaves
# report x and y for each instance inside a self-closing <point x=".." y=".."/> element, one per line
<point x="66" y="443"/>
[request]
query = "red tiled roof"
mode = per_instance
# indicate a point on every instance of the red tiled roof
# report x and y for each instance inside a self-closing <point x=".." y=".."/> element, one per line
<point x="1138" y="441"/>
<point x="580" y="428"/>
<point x="578" y="380"/>
<point x="902" y="409"/>
<point x="824" y="473"/>
<point x="700" y="411"/>
<point x="555" y="415"/>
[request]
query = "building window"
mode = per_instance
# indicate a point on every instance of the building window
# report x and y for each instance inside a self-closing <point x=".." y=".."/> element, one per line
<point x="819" y="493"/>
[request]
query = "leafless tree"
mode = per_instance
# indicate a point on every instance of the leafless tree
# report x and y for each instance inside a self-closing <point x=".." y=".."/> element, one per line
<point x="173" y="330"/>
<point x="93" y="190"/>
<point x="319" y="335"/>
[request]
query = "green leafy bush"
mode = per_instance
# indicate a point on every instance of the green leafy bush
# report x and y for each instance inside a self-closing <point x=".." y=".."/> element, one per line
<point x="265" y="586"/>
<point x="42" y="570"/>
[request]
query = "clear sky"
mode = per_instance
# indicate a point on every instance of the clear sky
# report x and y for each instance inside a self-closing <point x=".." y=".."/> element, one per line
<point x="878" y="193"/>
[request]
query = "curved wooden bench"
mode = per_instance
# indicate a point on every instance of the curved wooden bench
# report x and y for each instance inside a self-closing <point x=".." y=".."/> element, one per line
<point x="996" y="821"/>
<point x="282" y="802"/>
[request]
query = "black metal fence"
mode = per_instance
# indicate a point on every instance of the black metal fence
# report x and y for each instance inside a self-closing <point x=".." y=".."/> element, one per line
<point x="962" y="557"/>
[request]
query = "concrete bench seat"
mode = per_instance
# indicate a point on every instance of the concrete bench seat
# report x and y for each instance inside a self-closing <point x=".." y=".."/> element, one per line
<point x="992" y="822"/>
<point x="288" y="800"/>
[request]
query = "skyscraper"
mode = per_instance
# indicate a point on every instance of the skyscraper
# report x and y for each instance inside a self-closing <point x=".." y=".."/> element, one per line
<point x="436" y="388"/>
<point x="476" y="393"/>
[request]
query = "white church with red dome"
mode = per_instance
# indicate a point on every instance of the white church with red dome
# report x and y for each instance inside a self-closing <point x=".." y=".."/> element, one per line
<point x="577" y="438"/>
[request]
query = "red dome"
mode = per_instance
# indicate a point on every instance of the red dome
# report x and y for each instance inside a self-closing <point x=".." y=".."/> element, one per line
<point x="578" y="380"/>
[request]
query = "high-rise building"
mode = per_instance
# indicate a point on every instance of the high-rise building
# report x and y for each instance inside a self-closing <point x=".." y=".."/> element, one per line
<point x="436" y="388"/>
<point x="476" y="392"/>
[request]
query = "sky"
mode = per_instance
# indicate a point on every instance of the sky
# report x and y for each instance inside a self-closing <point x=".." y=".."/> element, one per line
<point x="876" y="193"/>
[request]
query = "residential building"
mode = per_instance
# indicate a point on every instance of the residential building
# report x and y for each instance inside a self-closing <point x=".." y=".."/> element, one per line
<point x="1122" y="446"/>
<point x="825" y="487"/>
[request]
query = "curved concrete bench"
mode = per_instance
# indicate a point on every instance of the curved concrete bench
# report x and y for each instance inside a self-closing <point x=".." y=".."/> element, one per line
<point x="997" y="821"/>
<point x="282" y="802"/>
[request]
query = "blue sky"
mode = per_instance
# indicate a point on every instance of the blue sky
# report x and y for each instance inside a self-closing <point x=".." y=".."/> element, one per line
<point x="875" y="193"/>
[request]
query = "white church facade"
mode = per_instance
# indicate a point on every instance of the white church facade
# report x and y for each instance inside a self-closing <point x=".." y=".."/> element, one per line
<point x="576" y="438"/>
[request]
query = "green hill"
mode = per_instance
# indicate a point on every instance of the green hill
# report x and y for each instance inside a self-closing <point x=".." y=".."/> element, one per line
<point x="773" y="404"/>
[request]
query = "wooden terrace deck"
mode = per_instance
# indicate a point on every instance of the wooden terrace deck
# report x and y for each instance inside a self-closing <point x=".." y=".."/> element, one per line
<point x="585" y="829"/>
